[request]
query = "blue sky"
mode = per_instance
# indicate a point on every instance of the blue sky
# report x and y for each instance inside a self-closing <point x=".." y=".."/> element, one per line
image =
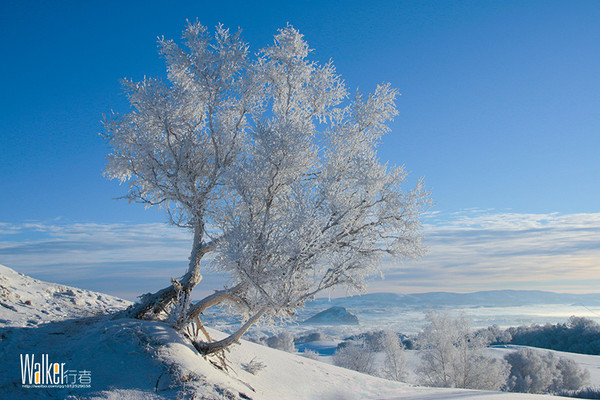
<point x="500" y="113"/>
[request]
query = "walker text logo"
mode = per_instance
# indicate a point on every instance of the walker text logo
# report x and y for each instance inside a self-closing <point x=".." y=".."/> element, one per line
<point x="41" y="373"/>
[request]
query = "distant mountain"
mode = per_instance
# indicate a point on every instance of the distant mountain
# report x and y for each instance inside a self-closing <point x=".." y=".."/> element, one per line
<point x="493" y="298"/>
<point x="333" y="316"/>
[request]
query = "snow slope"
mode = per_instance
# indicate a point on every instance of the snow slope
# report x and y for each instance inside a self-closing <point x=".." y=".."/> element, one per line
<point x="133" y="359"/>
<point x="25" y="301"/>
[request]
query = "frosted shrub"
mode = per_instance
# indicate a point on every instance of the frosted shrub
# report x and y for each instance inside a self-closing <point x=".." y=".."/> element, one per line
<point x="453" y="356"/>
<point x="355" y="357"/>
<point x="374" y="340"/>
<point x="311" y="354"/>
<point x="538" y="372"/>
<point x="585" y="393"/>
<point x="254" y="366"/>
<point x="572" y="376"/>
<point x="531" y="371"/>
<point x="283" y="341"/>
<point x="311" y="337"/>
<point x="494" y="334"/>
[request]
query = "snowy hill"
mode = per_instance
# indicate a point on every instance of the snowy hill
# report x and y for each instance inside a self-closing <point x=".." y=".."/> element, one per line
<point x="111" y="358"/>
<point x="26" y="301"/>
<point x="333" y="316"/>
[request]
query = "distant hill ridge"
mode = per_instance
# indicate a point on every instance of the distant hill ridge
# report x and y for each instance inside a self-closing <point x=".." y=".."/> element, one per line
<point x="491" y="298"/>
<point x="333" y="316"/>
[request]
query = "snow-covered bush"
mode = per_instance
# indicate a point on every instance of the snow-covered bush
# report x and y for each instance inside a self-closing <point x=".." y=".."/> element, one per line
<point x="356" y="357"/>
<point x="254" y="366"/>
<point x="541" y="372"/>
<point x="573" y="377"/>
<point x="453" y="356"/>
<point x="374" y="339"/>
<point x="495" y="335"/>
<point x="283" y="341"/>
<point x="585" y="393"/>
<point x="311" y="354"/>
<point x="311" y="337"/>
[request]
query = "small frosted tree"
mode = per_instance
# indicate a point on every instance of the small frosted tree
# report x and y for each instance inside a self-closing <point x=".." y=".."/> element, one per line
<point x="271" y="167"/>
<point x="453" y="357"/>
<point x="356" y="357"/>
<point x="394" y="363"/>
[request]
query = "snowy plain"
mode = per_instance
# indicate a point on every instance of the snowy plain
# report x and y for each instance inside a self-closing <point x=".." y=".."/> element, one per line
<point x="406" y="313"/>
<point x="133" y="359"/>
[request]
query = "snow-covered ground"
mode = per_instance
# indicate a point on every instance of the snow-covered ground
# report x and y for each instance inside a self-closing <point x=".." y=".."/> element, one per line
<point x="25" y="301"/>
<point x="131" y="359"/>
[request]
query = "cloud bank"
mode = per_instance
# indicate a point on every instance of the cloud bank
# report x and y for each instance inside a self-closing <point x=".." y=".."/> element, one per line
<point x="481" y="250"/>
<point x="468" y="251"/>
<point x="118" y="259"/>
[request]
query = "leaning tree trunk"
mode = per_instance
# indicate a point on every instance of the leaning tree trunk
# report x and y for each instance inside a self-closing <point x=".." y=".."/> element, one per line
<point x="179" y="292"/>
<point x="216" y="298"/>
<point x="181" y="289"/>
<point x="216" y="346"/>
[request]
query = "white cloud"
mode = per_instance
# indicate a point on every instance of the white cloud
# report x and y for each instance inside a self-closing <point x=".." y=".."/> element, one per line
<point x="468" y="251"/>
<point x="120" y="259"/>
<point x="478" y="250"/>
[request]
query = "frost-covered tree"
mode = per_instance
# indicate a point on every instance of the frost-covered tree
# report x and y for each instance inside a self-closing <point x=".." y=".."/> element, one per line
<point x="356" y="357"/>
<point x="453" y="355"/>
<point x="270" y="165"/>
<point x="394" y="363"/>
<point x="538" y="371"/>
<point x="183" y="139"/>
<point x="578" y="335"/>
<point x="572" y="376"/>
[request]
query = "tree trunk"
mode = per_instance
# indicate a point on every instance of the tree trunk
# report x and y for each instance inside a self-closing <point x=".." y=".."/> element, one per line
<point x="160" y="301"/>
<point x="216" y="298"/>
<point x="213" y="347"/>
